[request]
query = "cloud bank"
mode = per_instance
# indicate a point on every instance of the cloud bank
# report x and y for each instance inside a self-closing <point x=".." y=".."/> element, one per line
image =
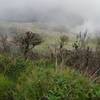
<point x="73" y="13"/>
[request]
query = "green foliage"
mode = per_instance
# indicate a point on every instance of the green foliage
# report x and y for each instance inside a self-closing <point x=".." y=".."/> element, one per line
<point x="5" y="88"/>
<point x="5" y="61"/>
<point x="56" y="85"/>
<point x="76" y="45"/>
<point x="17" y="68"/>
<point x="43" y="63"/>
<point x="13" y="67"/>
<point x="33" y="81"/>
<point x="63" y="40"/>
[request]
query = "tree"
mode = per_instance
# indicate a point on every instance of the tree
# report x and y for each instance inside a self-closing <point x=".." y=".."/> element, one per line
<point x="28" y="41"/>
<point x="63" y="40"/>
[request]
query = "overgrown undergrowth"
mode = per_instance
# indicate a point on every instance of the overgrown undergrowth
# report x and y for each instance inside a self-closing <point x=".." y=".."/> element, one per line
<point x="27" y="80"/>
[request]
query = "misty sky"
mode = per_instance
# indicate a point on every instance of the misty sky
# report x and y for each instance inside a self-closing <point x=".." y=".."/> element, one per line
<point x="87" y="10"/>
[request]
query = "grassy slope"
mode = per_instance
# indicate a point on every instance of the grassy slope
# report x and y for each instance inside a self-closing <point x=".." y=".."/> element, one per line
<point x="43" y="80"/>
<point x="27" y="80"/>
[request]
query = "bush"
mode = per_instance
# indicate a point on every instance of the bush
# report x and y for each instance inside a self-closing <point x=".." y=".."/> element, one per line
<point x="28" y="41"/>
<point x="5" y="61"/>
<point x="13" y="67"/>
<point x="17" y="68"/>
<point x="55" y="85"/>
<point x="5" y="88"/>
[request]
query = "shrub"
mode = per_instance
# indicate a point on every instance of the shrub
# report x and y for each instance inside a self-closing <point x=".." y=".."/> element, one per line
<point x="5" y="88"/>
<point x="55" y="85"/>
<point x="28" y="41"/>
<point x="17" y="68"/>
<point x="5" y="61"/>
<point x="13" y="67"/>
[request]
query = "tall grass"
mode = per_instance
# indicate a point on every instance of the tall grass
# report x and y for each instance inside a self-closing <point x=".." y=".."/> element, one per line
<point x="27" y="80"/>
<point x="64" y="84"/>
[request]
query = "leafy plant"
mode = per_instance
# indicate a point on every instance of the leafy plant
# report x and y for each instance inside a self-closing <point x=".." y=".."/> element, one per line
<point x="17" y="68"/>
<point x="5" y="88"/>
<point x="55" y="85"/>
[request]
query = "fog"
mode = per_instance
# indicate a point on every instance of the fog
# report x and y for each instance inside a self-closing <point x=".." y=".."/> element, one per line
<point x="76" y="14"/>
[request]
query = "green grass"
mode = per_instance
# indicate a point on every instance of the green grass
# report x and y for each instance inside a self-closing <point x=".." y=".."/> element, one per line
<point x="27" y="80"/>
<point x="43" y="80"/>
<point x="6" y="87"/>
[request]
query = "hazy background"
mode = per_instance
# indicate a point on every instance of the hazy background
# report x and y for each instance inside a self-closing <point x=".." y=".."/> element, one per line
<point x="74" y="14"/>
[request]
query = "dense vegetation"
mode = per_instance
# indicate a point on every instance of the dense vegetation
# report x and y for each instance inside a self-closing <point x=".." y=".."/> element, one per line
<point x="25" y="80"/>
<point x="57" y="74"/>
